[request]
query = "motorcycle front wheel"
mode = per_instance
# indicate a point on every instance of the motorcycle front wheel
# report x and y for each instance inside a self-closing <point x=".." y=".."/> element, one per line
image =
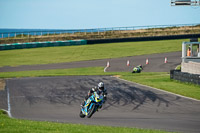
<point x="81" y="114"/>
<point x="91" y="111"/>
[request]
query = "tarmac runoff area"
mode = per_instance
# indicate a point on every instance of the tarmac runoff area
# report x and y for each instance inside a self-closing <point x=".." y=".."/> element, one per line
<point x="128" y="105"/>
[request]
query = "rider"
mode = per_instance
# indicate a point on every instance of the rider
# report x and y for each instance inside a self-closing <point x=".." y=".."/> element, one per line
<point x="99" y="89"/>
<point x="137" y="69"/>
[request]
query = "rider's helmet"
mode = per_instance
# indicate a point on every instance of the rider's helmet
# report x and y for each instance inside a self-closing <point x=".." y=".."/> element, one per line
<point x="140" y="66"/>
<point x="101" y="86"/>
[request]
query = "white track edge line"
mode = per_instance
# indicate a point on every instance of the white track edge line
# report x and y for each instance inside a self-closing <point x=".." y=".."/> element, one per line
<point x="8" y="100"/>
<point x="105" y="69"/>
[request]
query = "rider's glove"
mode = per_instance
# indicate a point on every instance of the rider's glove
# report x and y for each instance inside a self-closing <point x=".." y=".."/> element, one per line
<point x="93" y="89"/>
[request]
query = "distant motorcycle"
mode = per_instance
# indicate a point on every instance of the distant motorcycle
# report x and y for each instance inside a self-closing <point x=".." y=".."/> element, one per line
<point x="91" y="105"/>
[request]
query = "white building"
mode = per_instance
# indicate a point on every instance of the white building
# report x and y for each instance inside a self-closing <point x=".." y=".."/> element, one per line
<point x="191" y="59"/>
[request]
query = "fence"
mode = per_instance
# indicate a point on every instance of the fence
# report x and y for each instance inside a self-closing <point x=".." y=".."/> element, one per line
<point x="113" y="32"/>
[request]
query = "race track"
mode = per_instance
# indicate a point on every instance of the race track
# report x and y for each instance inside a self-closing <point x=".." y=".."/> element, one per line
<point x="129" y="104"/>
<point x="156" y="64"/>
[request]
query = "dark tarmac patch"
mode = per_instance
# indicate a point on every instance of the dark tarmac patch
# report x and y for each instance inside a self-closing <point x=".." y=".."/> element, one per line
<point x="3" y="95"/>
<point x="2" y="84"/>
<point x="131" y="105"/>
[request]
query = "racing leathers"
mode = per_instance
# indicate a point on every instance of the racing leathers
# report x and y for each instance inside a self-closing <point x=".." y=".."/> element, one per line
<point x="99" y="91"/>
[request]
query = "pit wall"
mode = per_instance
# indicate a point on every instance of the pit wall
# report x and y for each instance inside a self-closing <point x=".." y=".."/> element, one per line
<point x="191" y="67"/>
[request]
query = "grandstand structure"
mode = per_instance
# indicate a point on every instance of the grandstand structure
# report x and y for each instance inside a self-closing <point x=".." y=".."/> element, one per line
<point x="190" y="66"/>
<point x="191" y="57"/>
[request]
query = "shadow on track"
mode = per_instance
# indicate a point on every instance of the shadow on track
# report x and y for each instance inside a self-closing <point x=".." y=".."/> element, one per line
<point x="134" y="97"/>
<point x="72" y="93"/>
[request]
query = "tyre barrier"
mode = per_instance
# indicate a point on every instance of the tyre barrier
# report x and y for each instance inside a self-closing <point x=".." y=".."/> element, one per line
<point x="42" y="44"/>
<point x="185" y="77"/>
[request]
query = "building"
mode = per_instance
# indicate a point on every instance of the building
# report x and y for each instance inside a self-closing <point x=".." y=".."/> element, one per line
<point x="191" y="57"/>
<point x="190" y="66"/>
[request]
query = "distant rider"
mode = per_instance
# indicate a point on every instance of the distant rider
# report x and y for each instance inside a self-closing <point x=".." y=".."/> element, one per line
<point x="100" y="89"/>
<point x="137" y="69"/>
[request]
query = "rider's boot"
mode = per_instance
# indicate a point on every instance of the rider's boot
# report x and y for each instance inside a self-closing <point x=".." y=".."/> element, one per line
<point x="100" y="106"/>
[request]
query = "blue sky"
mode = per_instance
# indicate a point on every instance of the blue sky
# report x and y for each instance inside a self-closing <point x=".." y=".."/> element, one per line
<point x="81" y="14"/>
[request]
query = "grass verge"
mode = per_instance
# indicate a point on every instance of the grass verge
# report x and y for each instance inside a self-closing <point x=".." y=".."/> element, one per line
<point x="49" y="55"/>
<point x="21" y="126"/>
<point x="56" y="72"/>
<point x="160" y="80"/>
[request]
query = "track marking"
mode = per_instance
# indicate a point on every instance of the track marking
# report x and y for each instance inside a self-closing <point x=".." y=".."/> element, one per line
<point x="105" y="69"/>
<point x="8" y="100"/>
<point x="158" y="89"/>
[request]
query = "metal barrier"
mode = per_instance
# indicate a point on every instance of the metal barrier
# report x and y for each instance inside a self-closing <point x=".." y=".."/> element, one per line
<point x="185" y="77"/>
<point x="150" y="38"/>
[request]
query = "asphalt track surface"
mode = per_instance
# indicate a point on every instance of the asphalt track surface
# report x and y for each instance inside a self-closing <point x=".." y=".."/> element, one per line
<point x="156" y="63"/>
<point x="128" y="105"/>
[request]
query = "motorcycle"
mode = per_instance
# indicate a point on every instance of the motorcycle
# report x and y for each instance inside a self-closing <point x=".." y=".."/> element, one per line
<point x="91" y="105"/>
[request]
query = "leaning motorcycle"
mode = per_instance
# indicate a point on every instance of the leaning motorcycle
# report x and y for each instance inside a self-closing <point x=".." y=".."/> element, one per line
<point x="91" y="105"/>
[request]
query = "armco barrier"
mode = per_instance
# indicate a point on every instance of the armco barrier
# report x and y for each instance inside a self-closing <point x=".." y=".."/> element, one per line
<point x="185" y="77"/>
<point x="149" y="38"/>
<point x="42" y="44"/>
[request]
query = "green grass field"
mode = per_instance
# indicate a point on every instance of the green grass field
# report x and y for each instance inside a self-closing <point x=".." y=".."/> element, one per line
<point x="9" y="125"/>
<point x="49" y="55"/>
<point x="162" y="81"/>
